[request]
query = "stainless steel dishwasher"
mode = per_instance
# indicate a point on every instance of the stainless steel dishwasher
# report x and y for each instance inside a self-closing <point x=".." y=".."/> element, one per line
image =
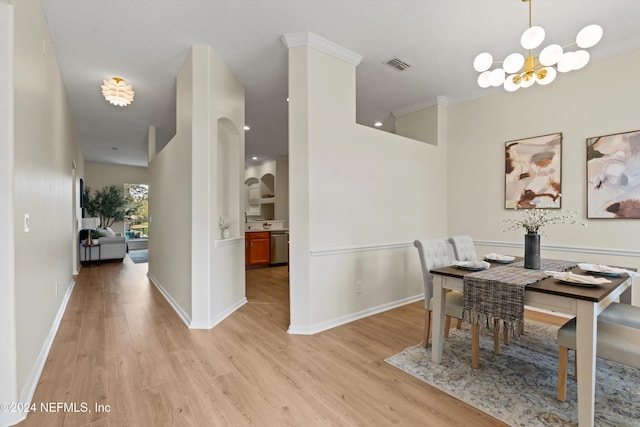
<point x="279" y="247"/>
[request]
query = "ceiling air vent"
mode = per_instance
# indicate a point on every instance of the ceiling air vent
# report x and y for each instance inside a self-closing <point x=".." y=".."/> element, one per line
<point x="397" y="63"/>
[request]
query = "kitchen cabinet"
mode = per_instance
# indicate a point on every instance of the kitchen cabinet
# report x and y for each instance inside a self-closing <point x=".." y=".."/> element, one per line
<point x="257" y="248"/>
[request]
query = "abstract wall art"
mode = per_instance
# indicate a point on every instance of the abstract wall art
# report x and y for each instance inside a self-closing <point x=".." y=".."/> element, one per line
<point x="613" y="176"/>
<point x="533" y="172"/>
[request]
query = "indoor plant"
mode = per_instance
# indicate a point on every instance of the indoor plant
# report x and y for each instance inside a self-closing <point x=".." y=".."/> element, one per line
<point x="109" y="204"/>
<point x="224" y="223"/>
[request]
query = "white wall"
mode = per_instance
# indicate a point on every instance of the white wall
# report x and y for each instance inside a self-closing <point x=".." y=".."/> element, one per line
<point x="170" y="204"/>
<point x="45" y="148"/>
<point x="358" y="199"/>
<point x="279" y="168"/>
<point x="597" y="100"/>
<point x="226" y="128"/>
<point x="257" y="172"/>
<point x="100" y="175"/>
<point x="282" y="191"/>
<point x="8" y="385"/>
<point x="202" y="276"/>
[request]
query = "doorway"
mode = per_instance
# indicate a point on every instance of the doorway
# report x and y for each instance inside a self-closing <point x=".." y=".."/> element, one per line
<point x="136" y="219"/>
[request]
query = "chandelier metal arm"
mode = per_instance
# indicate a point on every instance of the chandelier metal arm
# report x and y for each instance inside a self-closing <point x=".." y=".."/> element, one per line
<point x="518" y="71"/>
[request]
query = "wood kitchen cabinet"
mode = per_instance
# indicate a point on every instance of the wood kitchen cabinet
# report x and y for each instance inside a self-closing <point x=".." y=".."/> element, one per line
<point x="257" y="248"/>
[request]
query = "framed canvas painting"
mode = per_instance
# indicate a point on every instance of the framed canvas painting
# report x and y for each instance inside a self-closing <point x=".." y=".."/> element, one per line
<point x="613" y="176"/>
<point x="533" y="172"/>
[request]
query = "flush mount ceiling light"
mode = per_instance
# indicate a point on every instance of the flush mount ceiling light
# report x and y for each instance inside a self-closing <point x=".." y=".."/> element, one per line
<point x="117" y="91"/>
<point x="518" y="71"/>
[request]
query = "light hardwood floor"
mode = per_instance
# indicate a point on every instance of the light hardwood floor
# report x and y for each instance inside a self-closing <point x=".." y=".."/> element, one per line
<point x="121" y="345"/>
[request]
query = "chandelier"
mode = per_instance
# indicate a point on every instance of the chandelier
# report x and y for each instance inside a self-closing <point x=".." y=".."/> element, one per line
<point x="518" y="71"/>
<point x="117" y="91"/>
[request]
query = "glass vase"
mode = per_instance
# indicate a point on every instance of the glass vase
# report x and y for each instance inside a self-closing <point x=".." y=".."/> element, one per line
<point x="532" y="251"/>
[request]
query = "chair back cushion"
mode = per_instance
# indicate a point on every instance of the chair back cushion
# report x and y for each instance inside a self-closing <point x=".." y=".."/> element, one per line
<point x="463" y="248"/>
<point x="434" y="253"/>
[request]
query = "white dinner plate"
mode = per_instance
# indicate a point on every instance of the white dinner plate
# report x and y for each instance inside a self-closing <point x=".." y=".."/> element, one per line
<point x="499" y="261"/>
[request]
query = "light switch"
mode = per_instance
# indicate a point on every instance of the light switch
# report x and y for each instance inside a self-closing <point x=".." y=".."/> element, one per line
<point x="26" y="223"/>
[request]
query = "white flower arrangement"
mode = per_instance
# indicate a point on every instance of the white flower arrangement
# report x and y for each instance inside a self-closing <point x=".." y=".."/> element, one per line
<point x="533" y="220"/>
<point x="224" y="222"/>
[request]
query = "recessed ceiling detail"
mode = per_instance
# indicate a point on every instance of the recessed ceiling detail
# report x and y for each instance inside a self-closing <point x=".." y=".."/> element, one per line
<point x="397" y="63"/>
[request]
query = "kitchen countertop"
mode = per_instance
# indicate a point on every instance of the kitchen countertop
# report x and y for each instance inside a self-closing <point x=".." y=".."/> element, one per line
<point x="253" y="230"/>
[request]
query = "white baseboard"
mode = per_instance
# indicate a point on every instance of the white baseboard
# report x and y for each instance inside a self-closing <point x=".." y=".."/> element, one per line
<point x="186" y="318"/>
<point x="12" y="418"/>
<point x="183" y="315"/>
<point x="213" y="322"/>
<point x="319" y="327"/>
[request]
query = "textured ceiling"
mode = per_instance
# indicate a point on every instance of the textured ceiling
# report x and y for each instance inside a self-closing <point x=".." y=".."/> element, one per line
<point x="146" y="41"/>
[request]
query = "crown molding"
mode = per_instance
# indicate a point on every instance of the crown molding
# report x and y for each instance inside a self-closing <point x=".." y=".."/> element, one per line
<point x="324" y="45"/>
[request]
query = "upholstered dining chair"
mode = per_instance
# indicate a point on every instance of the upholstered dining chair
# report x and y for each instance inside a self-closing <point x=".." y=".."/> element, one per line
<point x="463" y="248"/>
<point x="434" y="253"/>
<point x="618" y="340"/>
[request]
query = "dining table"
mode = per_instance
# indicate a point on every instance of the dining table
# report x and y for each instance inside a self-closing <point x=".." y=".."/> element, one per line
<point x="583" y="302"/>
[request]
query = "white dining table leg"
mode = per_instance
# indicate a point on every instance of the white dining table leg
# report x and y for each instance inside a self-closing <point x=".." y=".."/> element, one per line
<point x="586" y="333"/>
<point x="626" y="296"/>
<point x="437" y="330"/>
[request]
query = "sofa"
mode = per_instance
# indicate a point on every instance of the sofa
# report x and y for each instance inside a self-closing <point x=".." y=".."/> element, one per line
<point x="112" y="247"/>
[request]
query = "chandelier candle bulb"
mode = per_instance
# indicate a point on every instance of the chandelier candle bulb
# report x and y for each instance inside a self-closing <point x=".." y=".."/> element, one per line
<point x="518" y="71"/>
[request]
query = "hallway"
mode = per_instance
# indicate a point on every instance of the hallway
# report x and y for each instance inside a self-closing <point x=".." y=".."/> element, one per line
<point x="122" y="357"/>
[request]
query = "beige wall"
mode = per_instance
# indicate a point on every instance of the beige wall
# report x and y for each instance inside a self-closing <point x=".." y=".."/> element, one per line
<point x="597" y="100"/>
<point x="421" y="125"/>
<point x="8" y="387"/>
<point x="45" y="148"/>
<point x="358" y="199"/>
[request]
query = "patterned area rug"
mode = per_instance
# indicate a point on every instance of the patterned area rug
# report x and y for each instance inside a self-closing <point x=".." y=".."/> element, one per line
<point x="519" y="386"/>
<point x="139" y="256"/>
